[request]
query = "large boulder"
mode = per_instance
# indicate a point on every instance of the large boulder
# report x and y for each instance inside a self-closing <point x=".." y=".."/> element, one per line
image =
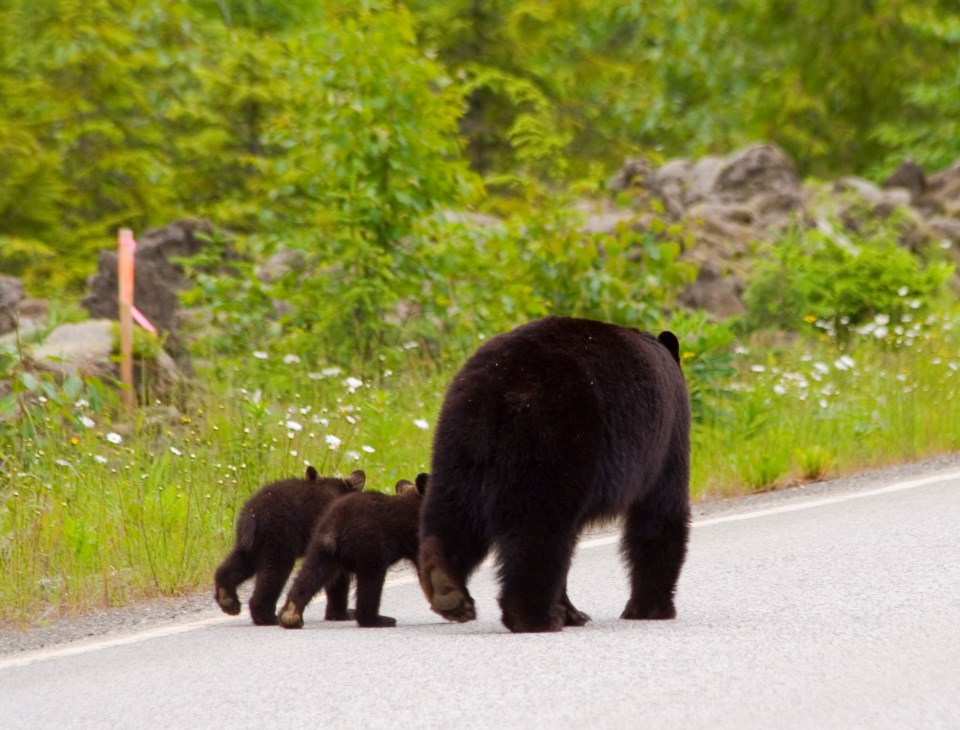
<point x="157" y="279"/>
<point x="761" y="169"/>
<point x="88" y="349"/>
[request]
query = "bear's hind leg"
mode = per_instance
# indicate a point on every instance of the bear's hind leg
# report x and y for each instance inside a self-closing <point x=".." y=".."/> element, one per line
<point x="272" y="576"/>
<point x="338" y="593"/>
<point x="533" y="574"/>
<point x="571" y="615"/>
<point x="369" y="590"/>
<point x="443" y="570"/>
<point x="234" y="570"/>
<point x="655" y="545"/>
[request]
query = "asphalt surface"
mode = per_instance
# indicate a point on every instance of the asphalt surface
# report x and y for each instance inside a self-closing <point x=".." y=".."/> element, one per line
<point x="814" y="609"/>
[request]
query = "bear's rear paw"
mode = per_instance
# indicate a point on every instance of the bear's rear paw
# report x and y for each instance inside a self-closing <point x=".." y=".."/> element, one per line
<point x="348" y="615"/>
<point x="228" y="601"/>
<point x="380" y="622"/>
<point x="649" y="611"/>
<point x="519" y="624"/>
<point x="291" y="618"/>
<point x="574" y="617"/>
<point x="449" y="599"/>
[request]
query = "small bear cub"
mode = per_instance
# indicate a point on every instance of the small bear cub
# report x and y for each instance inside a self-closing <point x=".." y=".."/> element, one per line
<point x="361" y="534"/>
<point x="273" y="530"/>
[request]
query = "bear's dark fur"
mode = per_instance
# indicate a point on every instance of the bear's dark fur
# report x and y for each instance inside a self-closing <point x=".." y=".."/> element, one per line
<point x="363" y="535"/>
<point x="546" y="428"/>
<point x="273" y="530"/>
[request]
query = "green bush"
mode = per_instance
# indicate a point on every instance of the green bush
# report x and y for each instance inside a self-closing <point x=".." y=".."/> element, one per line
<point x="841" y="282"/>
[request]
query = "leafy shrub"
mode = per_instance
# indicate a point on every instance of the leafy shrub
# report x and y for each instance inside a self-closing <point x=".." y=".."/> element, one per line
<point x="822" y="275"/>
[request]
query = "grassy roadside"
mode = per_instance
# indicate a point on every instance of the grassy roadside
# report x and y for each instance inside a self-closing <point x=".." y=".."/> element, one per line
<point x="97" y="513"/>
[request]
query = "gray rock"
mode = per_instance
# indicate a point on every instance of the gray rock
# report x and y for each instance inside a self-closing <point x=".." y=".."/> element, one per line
<point x="87" y="349"/>
<point x="910" y="177"/>
<point x="721" y="296"/>
<point x="82" y="348"/>
<point x="759" y="169"/>
<point x="11" y="292"/>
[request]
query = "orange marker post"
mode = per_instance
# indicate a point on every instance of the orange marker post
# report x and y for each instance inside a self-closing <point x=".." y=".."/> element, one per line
<point x="125" y="280"/>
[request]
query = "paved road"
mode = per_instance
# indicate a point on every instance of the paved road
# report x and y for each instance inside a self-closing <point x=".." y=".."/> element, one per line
<point x="821" y="611"/>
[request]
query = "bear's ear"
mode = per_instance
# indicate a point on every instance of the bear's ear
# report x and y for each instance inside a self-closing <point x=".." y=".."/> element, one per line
<point x="312" y="475"/>
<point x="422" y="480"/>
<point x="356" y="480"/>
<point x="670" y="341"/>
<point x="404" y="486"/>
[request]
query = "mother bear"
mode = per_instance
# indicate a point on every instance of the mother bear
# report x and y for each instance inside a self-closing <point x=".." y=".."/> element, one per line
<point x="546" y="428"/>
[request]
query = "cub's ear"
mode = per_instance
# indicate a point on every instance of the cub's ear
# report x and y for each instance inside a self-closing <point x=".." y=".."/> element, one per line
<point x="312" y="475"/>
<point x="422" y="480"/>
<point x="670" y="341"/>
<point x="356" y="480"/>
<point x="404" y="486"/>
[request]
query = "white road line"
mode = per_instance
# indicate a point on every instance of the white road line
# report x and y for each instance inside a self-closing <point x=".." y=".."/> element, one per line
<point x="42" y="655"/>
<point x="800" y="505"/>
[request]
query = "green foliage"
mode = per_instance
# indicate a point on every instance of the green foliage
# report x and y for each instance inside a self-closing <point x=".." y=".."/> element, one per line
<point x="815" y="275"/>
<point x="928" y="128"/>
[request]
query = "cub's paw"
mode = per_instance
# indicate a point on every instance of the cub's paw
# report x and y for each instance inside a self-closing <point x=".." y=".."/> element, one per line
<point x="228" y="601"/>
<point x="649" y="611"/>
<point x="449" y="599"/>
<point x="291" y="618"/>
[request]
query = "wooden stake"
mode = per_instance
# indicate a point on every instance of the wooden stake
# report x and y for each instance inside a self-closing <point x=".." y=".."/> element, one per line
<point x="125" y="280"/>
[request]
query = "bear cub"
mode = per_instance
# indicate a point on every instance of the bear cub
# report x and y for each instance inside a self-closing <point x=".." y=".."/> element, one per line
<point x="273" y="530"/>
<point x="556" y="424"/>
<point x="361" y="534"/>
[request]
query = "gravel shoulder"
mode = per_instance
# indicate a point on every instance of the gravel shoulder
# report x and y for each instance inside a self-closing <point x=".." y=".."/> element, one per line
<point x="141" y="616"/>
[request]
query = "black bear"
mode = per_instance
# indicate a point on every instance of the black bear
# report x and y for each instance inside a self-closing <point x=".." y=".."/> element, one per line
<point x="546" y="428"/>
<point x="273" y="530"/>
<point x="362" y="534"/>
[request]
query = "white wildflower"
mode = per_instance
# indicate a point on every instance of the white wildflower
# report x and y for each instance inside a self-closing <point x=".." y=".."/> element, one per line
<point x="260" y="355"/>
<point x="332" y="441"/>
<point x="293" y="426"/>
<point x="352" y="384"/>
<point x="87" y="421"/>
<point x="175" y="451"/>
<point x="290" y="359"/>
<point x="845" y="362"/>
<point x="368" y="449"/>
<point x="100" y="459"/>
<point x="114" y="438"/>
<point x="421" y="424"/>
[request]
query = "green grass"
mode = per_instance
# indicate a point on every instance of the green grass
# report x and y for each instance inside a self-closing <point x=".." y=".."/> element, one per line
<point x="111" y="512"/>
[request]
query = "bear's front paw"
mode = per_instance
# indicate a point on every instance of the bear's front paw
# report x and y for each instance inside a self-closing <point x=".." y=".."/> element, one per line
<point x="380" y="622"/>
<point x="291" y="618"/>
<point x="649" y="611"/>
<point x="450" y="600"/>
